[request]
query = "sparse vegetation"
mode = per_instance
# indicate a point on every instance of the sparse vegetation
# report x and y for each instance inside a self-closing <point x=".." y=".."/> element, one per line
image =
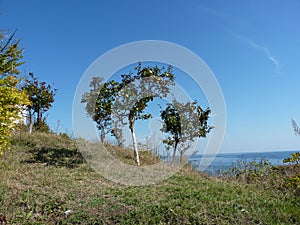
<point x="294" y="179"/>
<point x="45" y="181"/>
<point x="264" y="174"/>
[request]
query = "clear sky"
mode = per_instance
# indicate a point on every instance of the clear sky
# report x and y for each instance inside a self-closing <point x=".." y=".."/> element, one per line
<point x="252" y="47"/>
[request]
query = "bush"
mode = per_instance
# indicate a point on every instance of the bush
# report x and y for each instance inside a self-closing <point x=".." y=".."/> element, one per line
<point x="294" y="179"/>
<point x="294" y="159"/>
<point x="262" y="173"/>
<point x="249" y="171"/>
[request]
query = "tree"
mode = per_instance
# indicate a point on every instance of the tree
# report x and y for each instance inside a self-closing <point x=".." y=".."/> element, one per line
<point x="184" y="122"/>
<point x="41" y="96"/>
<point x="99" y="101"/>
<point x="114" y="104"/>
<point x="136" y="91"/>
<point x="11" y="97"/>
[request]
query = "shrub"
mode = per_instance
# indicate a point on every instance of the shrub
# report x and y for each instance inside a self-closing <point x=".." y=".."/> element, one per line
<point x="294" y="179"/>
<point x="294" y="159"/>
<point x="248" y="170"/>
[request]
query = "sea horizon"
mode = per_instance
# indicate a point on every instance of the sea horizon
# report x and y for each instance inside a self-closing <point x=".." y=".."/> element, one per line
<point x="223" y="161"/>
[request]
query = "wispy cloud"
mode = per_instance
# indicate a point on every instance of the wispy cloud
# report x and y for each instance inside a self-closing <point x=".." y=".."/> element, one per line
<point x="264" y="49"/>
<point x="227" y="17"/>
<point x="213" y="12"/>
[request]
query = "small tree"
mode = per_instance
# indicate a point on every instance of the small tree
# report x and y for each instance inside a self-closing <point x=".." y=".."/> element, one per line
<point x="11" y="98"/>
<point x="184" y="122"/>
<point x="136" y="91"/>
<point x="99" y="101"/>
<point x="41" y="96"/>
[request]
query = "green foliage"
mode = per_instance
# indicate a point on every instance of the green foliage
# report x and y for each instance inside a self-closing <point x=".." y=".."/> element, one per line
<point x="11" y="98"/>
<point x="294" y="159"/>
<point x="41" y="97"/>
<point x="263" y="173"/>
<point x="250" y="171"/>
<point x="294" y="180"/>
<point x="10" y="55"/>
<point x="184" y="122"/>
<point x="41" y="126"/>
<point x="91" y="97"/>
<point x="109" y="104"/>
<point x="138" y="90"/>
<point x="99" y="101"/>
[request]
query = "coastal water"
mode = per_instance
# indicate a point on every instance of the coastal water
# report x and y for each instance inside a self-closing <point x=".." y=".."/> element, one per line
<point x="226" y="160"/>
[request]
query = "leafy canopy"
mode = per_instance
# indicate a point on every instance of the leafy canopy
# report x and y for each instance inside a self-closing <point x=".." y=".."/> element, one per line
<point x="113" y="104"/>
<point x="184" y="122"/>
<point x="11" y="98"/>
<point x="41" y="96"/>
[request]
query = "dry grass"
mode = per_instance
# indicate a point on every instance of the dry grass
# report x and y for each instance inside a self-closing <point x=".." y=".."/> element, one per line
<point x="34" y="190"/>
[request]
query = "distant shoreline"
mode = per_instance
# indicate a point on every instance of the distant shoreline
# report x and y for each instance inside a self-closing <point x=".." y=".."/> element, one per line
<point x="223" y="161"/>
<point x="239" y="153"/>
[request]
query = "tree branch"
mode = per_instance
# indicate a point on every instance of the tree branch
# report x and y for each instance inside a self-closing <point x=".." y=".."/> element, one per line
<point x="296" y="128"/>
<point x="9" y="40"/>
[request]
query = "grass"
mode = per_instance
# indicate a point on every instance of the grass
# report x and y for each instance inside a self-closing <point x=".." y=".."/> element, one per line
<point x="44" y="180"/>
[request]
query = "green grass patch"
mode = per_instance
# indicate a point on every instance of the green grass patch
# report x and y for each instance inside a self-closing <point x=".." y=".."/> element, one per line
<point x="44" y="180"/>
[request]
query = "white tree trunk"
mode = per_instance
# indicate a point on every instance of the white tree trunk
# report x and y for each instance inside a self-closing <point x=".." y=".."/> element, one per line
<point x="174" y="152"/>
<point x="136" y="152"/>
<point x="102" y="135"/>
<point x="30" y="128"/>
<point x="30" y="122"/>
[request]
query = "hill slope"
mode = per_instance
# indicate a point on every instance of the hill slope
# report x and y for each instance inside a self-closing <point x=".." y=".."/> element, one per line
<point x="44" y="180"/>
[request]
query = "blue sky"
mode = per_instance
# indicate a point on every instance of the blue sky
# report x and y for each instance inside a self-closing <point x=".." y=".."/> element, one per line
<point x="252" y="47"/>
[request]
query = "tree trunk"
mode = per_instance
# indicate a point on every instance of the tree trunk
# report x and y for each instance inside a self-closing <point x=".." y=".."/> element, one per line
<point x="40" y="116"/>
<point x="120" y="141"/>
<point x="183" y="150"/>
<point x="174" y="151"/>
<point x="136" y="153"/>
<point x="30" y="117"/>
<point x="118" y="134"/>
<point x="102" y="135"/>
<point x="181" y="157"/>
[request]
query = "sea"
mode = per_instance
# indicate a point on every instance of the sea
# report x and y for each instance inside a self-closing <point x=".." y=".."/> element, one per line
<point x="224" y="161"/>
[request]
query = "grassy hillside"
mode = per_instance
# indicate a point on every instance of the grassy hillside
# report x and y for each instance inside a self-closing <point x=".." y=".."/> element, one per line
<point x="44" y="180"/>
